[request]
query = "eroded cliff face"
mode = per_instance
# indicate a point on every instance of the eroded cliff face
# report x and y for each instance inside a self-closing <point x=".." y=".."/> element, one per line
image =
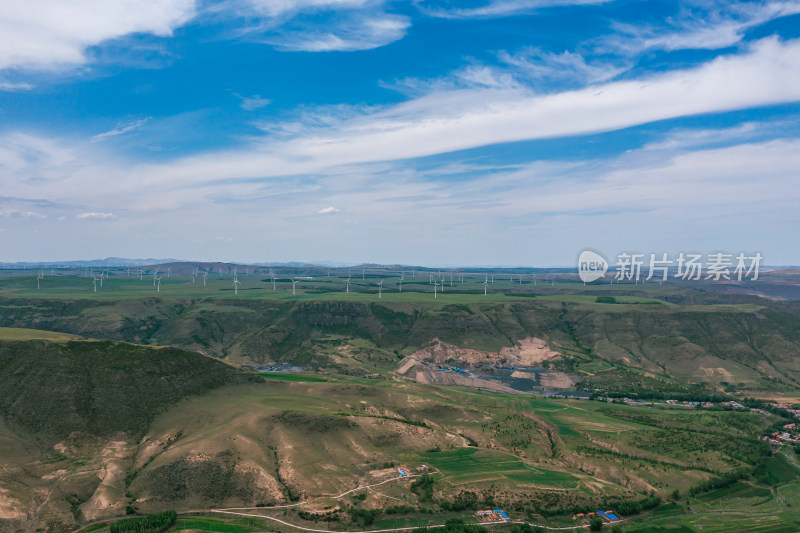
<point x="526" y="354"/>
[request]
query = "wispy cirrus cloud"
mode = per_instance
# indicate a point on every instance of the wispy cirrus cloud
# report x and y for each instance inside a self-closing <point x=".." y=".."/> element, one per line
<point x="251" y="103"/>
<point x="95" y="216"/>
<point x="538" y="67"/>
<point x="10" y="86"/>
<point x="699" y="25"/>
<point x="354" y="158"/>
<point x="317" y="25"/>
<point x="121" y="129"/>
<point x="494" y="8"/>
<point x="50" y="34"/>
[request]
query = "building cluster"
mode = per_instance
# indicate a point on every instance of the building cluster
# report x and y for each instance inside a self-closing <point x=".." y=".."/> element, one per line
<point x="606" y="516"/>
<point x="787" y="407"/>
<point x="454" y="369"/>
<point x="789" y="435"/>
<point x="404" y="471"/>
<point x="492" y="516"/>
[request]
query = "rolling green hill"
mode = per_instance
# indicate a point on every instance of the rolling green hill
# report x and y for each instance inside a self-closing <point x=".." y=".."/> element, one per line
<point x="741" y="346"/>
<point x="100" y="388"/>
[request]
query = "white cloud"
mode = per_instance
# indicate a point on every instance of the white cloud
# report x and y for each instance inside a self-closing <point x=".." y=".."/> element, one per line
<point x="15" y="86"/>
<point x="354" y="160"/>
<point x="437" y="123"/>
<point x="47" y="34"/>
<point x="704" y="25"/>
<point x="95" y="216"/>
<point x="499" y="8"/>
<point x="448" y="121"/>
<point x="121" y="129"/>
<point x="358" y="31"/>
<point x="274" y="8"/>
<point x="315" y="25"/>
<point x="537" y="65"/>
<point x="29" y="214"/>
<point x="251" y="103"/>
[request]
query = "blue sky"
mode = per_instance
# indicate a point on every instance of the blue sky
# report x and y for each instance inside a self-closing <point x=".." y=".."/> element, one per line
<point x="485" y="132"/>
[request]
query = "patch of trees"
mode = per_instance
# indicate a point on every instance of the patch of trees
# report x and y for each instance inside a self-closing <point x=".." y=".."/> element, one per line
<point x="527" y="528"/>
<point x="398" y="509"/>
<point x="462" y="501"/>
<point x="719" y="482"/>
<point x="595" y="452"/>
<point x="423" y="488"/>
<point x="364" y="517"/>
<point x="454" y="525"/>
<point x="330" y="516"/>
<point x="606" y="300"/>
<point x="153" y="523"/>
<point x="628" y="508"/>
<point x="622" y="507"/>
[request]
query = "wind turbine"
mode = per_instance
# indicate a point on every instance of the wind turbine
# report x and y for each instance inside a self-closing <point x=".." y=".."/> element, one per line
<point x="294" y="286"/>
<point x="485" y="285"/>
<point x="38" y="279"/>
<point x="534" y="280"/>
<point x="94" y="283"/>
<point x="363" y="273"/>
<point x="380" y="287"/>
<point x="141" y="272"/>
<point x="401" y="284"/>
<point x="155" y="277"/>
<point x="435" y="284"/>
<point x="205" y="277"/>
<point x="236" y="283"/>
<point x="158" y="286"/>
<point x="347" y="291"/>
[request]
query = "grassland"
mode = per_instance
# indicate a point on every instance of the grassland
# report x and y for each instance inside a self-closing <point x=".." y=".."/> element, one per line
<point x="273" y="442"/>
<point x="92" y="428"/>
<point x="716" y="341"/>
<point x="288" y="376"/>
<point x="25" y="334"/>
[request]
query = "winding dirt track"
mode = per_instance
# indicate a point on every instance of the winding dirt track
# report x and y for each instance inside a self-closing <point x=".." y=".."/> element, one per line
<point x="236" y="511"/>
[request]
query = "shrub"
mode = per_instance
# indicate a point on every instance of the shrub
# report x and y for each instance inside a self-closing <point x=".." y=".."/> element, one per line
<point x="153" y="523"/>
